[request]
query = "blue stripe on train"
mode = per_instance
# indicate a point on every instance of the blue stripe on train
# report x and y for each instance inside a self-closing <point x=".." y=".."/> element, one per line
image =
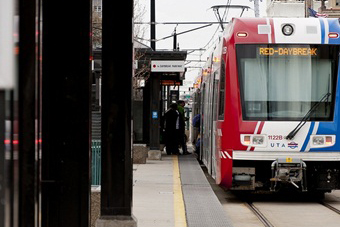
<point x="311" y="127"/>
<point x="322" y="31"/>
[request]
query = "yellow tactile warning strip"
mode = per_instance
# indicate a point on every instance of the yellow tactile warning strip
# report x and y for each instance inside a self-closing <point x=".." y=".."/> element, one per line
<point x="179" y="208"/>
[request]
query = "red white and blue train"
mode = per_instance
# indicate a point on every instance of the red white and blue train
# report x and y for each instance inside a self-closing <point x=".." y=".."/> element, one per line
<point x="269" y="99"/>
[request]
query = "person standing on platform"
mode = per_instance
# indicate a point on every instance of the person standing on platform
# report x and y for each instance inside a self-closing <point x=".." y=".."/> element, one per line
<point x="172" y="126"/>
<point x="181" y="135"/>
<point x="196" y="123"/>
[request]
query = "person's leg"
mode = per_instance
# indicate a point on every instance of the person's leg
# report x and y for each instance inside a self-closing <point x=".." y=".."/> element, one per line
<point x="181" y="142"/>
<point x="168" y="149"/>
<point x="168" y="143"/>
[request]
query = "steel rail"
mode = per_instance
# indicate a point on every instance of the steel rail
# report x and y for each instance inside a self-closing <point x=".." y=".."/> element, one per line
<point x="259" y="215"/>
<point x="330" y="207"/>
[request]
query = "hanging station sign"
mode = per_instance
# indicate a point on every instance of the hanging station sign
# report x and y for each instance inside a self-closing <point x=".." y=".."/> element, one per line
<point x="167" y="66"/>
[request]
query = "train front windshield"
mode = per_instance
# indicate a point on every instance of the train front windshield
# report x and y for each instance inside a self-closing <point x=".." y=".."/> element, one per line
<point x="283" y="82"/>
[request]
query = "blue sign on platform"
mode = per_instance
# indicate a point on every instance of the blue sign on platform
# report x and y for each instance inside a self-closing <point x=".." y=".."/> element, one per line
<point x="154" y="114"/>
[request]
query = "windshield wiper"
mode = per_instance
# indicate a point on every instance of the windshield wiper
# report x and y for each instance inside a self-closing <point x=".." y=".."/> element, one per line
<point x="304" y="119"/>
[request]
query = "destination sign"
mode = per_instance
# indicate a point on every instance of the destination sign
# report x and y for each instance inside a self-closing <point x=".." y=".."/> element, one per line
<point x="287" y="51"/>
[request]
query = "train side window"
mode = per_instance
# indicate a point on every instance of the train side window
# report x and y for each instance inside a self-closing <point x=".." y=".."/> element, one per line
<point x="222" y="93"/>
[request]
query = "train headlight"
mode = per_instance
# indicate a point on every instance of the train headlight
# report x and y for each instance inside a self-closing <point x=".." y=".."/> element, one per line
<point x="319" y="141"/>
<point x="287" y="29"/>
<point x="258" y="140"/>
<point x="254" y="140"/>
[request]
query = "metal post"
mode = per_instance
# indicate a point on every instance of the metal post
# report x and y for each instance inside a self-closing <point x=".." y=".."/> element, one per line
<point x="153" y="24"/>
<point x="175" y="40"/>
<point x="256" y="7"/>
<point x="28" y="165"/>
<point x="168" y="98"/>
<point x="66" y="119"/>
<point x="155" y="115"/>
<point x="117" y="69"/>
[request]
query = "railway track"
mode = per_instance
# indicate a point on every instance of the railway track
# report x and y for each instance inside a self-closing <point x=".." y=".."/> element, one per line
<point x="259" y="215"/>
<point x="267" y="223"/>
<point x="330" y="207"/>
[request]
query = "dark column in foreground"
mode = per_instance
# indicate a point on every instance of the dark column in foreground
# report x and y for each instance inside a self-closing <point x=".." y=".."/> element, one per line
<point x="28" y="165"/>
<point x="117" y="59"/>
<point x="155" y="97"/>
<point x="146" y="113"/>
<point x="66" y="92"/>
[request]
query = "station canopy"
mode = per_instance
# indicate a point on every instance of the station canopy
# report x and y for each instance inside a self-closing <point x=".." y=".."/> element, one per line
<point x="168" y="64"/>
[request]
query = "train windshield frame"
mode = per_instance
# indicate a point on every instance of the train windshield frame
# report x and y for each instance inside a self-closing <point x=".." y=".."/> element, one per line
<point x="282" y="82"/>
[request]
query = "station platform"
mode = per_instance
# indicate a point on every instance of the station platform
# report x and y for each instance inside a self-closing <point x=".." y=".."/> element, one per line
<point x="175" y="192"/>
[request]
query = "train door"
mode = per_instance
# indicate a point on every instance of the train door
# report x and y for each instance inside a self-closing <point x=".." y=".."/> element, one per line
<point x="214" y="120"/>
<point x="210" y="123"/>
<point x="194" y="131"/>
<point x="206" y="126"/>
<point x="202" y="121"/>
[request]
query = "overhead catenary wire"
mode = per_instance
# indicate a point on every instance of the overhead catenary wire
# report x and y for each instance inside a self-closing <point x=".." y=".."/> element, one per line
<point x="225" y="15"/>
<point x="194" y="29"/>
<point x="216" y="36"/>
<point x="213" y="40"/>
<point x="206" y="24"/>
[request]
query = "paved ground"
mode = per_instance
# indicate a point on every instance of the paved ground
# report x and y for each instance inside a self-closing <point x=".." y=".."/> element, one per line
<point x="175" y="192"/>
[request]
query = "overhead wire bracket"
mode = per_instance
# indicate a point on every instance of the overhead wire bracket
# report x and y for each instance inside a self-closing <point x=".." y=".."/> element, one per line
<point x="218" y="7"/>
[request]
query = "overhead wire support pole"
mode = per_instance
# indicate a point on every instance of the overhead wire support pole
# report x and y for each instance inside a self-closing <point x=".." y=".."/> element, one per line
<point x="256" y="7"/>
<point x="175" y="39"/>
<point x="153" y="24"/>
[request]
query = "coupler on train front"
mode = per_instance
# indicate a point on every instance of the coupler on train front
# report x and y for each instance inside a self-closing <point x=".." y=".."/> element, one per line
<point x="304" y="176"/>
<point x="289" y="171"/>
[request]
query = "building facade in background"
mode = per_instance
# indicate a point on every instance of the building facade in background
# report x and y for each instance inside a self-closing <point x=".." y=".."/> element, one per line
<point x="290" y="8"/>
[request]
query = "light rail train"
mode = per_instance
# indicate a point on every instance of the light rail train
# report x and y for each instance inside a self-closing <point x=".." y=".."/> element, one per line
<point x="269" y="101"/>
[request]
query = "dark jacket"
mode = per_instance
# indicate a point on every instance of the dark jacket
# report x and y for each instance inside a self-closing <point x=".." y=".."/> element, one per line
<point x="171" y="118"/>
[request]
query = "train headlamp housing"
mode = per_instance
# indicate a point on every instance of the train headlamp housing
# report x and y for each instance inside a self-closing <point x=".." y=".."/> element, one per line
<point x="287" y="29"/>
<point x="258" y="140"/>
<point x="254" y="140"/>
<point x="319" y="141"/>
